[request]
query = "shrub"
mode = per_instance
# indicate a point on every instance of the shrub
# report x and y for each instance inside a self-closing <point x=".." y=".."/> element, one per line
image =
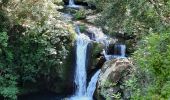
<point x="82" y="28"/>
<point x="33" y="45"/>
<point x="80" y="14"/>
<point x="153" y="57"/>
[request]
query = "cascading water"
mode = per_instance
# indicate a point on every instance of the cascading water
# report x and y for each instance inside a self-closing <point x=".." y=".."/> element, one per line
<point x="81" y="92"/>
<point x="77" y="29"/>
<point x="120" y="52"/>
<point x="92" y="84"/>
<point x="123" y="50"/>
<point x="80" y="76"/>
<point x="72" y="4"/>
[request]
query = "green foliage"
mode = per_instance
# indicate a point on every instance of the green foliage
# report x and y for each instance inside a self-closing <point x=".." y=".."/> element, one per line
<point x="154" y="54"/>
<point x="3" y="39"/>
<point x="33" y="45"/>
<point x="80" y="14"/>
<point x="82" y="28"/>
<point x="4" y="21"/>
<point x="96" y="49"/>
<point x="153" y="57"/>
<point x="134" y="17"/>
<point x="8" y="88"/>
<point x="142" y="18"/>
<point x="7" y="76"/>
<point x="165" y="91"/>
<point x="108" y="95"/>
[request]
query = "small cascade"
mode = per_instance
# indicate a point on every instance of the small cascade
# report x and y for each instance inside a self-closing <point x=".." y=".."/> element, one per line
<point x="119" y="52"/>
<point x="107" y="57"/>
<point x="77" y="29"/>
<point x="92" y="84"/>
<point x="72" y="4"/>
<point x="122" y="50"/>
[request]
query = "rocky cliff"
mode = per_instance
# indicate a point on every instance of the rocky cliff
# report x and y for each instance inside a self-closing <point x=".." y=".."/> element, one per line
<point x="113" y="78"/>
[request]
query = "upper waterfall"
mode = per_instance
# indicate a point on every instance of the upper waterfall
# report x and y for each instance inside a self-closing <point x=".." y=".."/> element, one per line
<point x="123" y="50"/>
<point x="72" y="4"/>
<point x="119" y="52"/>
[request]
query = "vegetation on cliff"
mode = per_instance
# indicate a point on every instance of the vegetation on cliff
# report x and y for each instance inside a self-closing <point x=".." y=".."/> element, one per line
<point x="152" y="57"/>
<point x="133" y="17"/>
<point x="33" y="46"/>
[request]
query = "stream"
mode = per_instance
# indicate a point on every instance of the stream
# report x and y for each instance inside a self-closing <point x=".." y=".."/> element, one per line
<point x="83" y="90"/>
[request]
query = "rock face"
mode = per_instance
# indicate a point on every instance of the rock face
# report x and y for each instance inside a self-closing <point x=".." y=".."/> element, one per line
<point x="113" y="76"/>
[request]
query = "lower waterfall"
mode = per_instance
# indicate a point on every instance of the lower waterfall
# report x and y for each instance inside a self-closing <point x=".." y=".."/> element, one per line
<point x="83" y="92"/>
<point x="92" y="84"/>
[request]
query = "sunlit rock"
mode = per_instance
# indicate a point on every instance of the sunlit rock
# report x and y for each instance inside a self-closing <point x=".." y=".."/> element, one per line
<point x="113" y="74"/>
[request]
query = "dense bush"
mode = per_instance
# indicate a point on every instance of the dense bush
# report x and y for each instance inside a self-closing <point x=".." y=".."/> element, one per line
<point x="80" y="14"/>
<point x="133" y="17"/>
<point x="33" y="45"/>
<point x="7" y="75"/>
<point x="153" y="78"/>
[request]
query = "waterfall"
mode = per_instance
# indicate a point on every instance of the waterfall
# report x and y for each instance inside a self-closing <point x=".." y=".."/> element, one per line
<point x="92" y="84"/>
<point x="90" y="89"/>
<point x="80" y="76"/>
<point x="77" y="29"/>
<point x="71" y="2"/>
<point x="81" y="92"/>
<point x="120" y="52"/>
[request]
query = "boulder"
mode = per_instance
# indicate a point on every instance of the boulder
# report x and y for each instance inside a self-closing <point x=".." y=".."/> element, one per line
<point x="94" y="58"/>
<point x="114" y="74"/>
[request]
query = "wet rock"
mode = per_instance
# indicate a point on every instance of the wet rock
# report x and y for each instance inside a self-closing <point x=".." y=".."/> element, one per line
<point x="96" y="60"/>
<point x="114" y="74"/>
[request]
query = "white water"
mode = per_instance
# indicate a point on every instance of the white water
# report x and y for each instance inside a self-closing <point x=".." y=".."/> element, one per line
<point x="80" y="98"/>
<point x="77" y="29"/>
<point x="90" y="89"/>
<point x="80" y="75"/>
<point x="81" y="92"/>
<point x="72" y="4"/>
<point x="121" y="48"/>
<point x="92" y="84"/>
